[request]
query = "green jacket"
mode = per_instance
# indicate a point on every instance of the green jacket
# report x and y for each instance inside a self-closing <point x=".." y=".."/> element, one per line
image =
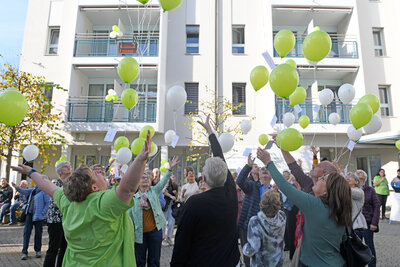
<point x="136" y="212"/>
<point x="383" y="188"/>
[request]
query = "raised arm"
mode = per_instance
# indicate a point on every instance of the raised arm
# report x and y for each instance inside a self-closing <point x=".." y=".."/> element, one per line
<point x="215" y="146"/>
<point x="172" y="163"/>
<point x="242" y="180"/>
<point x="44" y="184"/>
<point x="130" y="181"/>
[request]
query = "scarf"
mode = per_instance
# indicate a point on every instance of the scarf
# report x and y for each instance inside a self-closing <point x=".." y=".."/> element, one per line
<point x="143" y="204"/>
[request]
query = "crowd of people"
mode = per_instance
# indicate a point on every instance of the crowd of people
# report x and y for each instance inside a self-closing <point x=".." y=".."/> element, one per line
<point x="248" y="218"/>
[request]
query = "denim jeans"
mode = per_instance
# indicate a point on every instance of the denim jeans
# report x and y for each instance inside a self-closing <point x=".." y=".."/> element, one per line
<point x="13" y="208"/>
<point x="27" y="234"/>
<point x="170" y="221"/>
<point x="151" y="244"/>
<point x="368" y="236"/>
<point x="3" y="211"/>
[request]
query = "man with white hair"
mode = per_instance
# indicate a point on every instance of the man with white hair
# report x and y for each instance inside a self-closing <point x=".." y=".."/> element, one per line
<point x="57" y="242"/>
<point x="206" y="234"/>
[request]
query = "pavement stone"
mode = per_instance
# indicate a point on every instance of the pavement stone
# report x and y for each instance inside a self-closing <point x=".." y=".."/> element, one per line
<point x="386" y="244"/>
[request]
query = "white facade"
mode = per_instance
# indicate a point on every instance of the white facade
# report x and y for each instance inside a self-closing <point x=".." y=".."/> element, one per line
<point x="87" y="58"/>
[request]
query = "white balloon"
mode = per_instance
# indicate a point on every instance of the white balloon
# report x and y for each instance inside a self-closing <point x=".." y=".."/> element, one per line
<point x="373" y="125"/>
<point x="111" y="92"/>
<point x="124" y="155"/>
<point x="288" y="119"/>
<point x="334" y="118"/>
<point x="169" y="136"/>
<point x="166" y="165"/>
<point x="30" y="152"/>
<point x="113" y="35"/>
<point x="176" y="97"/>
<point x="226" y="141"/>
<point x="326" y="97"/>
<point x="354" y="134"/>
<point x="245" y="126"/>
<point x="154" y="151"/>
<point x="120" y="34"/>
<point x="346" y="93"/>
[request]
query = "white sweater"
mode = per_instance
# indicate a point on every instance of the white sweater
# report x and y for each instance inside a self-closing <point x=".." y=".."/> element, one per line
<point x="357" y="195"/>
<point x="190" y="190"/>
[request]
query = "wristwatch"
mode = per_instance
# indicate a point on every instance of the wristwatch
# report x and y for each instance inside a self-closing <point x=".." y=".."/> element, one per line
<point x="32" y="171"/>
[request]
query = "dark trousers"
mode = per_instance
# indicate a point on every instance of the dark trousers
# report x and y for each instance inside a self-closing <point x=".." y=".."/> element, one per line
<point x="243" y="241"/>
<point x="368" y="236"/>
<point x="291" y="227"/>
<point x="57" y="245"/>
<point x="382" y="200"/>
<point x="27" y="234"/>
<point x="151" y="246"/>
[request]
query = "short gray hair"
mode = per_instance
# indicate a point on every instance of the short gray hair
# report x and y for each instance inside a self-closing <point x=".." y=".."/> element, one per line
<point x="359" y="173"/>
<point x="24" y="182"/>
<point x="215" y="171"/>
<point x="355" y="177"/>
<point x="61" y="164"/>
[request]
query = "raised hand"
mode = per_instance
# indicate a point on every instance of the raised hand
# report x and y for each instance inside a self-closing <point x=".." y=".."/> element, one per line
<point x="263" y="155"/>
<point x="206" y="124"/>
<point x="14" y="184"/>
<point x="144" y="154"/>
<point x="314" y="150"/>
<point x="21" y="168"/>
<point x="173" y="162"/>
<point x="250" y="161"/>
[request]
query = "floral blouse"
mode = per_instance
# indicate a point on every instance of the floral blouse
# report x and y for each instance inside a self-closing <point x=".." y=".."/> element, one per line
<point x="53" y="213"/>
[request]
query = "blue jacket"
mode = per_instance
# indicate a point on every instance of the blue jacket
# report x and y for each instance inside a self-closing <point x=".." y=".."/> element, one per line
<point x="251" y="203"/>
<point x="41" y="203"/>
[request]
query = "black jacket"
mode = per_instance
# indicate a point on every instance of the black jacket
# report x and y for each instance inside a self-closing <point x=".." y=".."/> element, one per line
<point x="206" y="234"/>
<point x="6" y="194"/>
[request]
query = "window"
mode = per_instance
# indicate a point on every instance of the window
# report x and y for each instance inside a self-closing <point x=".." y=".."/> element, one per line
<point x="239" y="98"/>
<point x="192" y="39"/>
<point x="384" y="96"/>
<point x="53" y="41"/>
<point x="48" y="91"/>
<point x="237" y="39"/>
<point x="87" y="160"/>
<point x="192" y="103"/>
<point x="378" y="41"/>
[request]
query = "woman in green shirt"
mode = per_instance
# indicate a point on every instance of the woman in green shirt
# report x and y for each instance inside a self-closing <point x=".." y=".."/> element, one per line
<point x="326" y="213"/>
<point x="382" y="190"/>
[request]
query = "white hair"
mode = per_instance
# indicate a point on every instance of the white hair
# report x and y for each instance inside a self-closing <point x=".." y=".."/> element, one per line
<point x="361" y="172"/>
<point x="24" y="182"/>
<point x="215" y="171"/>
<point x="61" y="164"/>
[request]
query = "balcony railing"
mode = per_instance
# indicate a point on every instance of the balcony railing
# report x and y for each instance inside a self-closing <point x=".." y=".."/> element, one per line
<point x="103" y="46"/>
<point x="111" y="112"/>
<point x="308" y="109"/>
<point x="340" y="49"/>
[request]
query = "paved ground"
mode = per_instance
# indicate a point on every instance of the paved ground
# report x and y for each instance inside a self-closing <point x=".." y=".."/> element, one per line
<point x="386" y="242"/>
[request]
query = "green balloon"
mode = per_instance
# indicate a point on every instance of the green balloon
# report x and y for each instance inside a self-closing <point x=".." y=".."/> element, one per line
<point x="289" y="139"/>
<point x="372" y="101"/>
<point x="13" y="107"/>
<point x="163" y="169"/>
<point x="292" y="63"/>
<point x="398" y="144"/>
<point x="111" y="159"/>
<point x="152" y="147"/>
<point x="120" y="142"/>
<point x="137" y="145"/>
<point x="115" y="98"/>
<point x="263" y="139"/>
<point x="298" y="96"/>
<point x="169" y="5"/>
<point x="316" y="46"/>
<point x="360" y="115"/>
<point x="259" y="77"/>
<point x="129" y="98"/>
<point x="163" y="161"/>
<point x="145" y="129"/>
<point x="283" y="80"/>
<point x="143" y="1"/>
<point x="304" y="121"/>
<point x="128" y="69"/>
<point x="62" y="158"/>
<point x="109" y="97"/>
<point x="284" y="42"/>
<point x="115" y="28"/>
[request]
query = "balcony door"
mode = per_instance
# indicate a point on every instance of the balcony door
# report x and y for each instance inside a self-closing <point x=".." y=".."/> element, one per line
<point x="98" y="110"/>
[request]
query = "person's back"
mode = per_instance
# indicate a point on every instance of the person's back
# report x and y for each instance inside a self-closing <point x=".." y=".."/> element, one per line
<point x="84" y="223"/>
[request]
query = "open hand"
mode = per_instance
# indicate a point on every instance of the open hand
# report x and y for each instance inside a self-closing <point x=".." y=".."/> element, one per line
<point x="206" y="124"/>
<point x="144" y="154"/>
<point x="250" y="160"/>
<point x="14" y="184"/>
<point x="173" y="162"/>
<point x="263" y="155"/>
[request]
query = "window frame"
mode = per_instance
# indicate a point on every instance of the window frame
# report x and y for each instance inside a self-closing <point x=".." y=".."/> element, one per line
<point x="192" y="45"/>
<point x="381" y="38"/>
<point x="49" y="44"/>
<point x="388" y="105"/>
<point x="241" y="111"/>
<point x="239" y="45"/>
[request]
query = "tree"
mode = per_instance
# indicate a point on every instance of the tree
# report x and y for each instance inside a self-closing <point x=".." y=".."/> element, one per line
<point x="40" y="126"/>
<point x="221" y="111"/>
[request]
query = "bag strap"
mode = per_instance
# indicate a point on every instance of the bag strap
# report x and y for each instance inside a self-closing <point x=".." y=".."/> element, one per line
<point x="357" y="215"/>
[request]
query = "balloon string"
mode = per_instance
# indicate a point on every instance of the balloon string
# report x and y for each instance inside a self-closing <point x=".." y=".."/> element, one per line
<point x="174" y="115"/>
<point x="343" y="153"/>
<point x="312" y="140"/>
<point x="348" y="161"/>
<point x="153" y="158"/>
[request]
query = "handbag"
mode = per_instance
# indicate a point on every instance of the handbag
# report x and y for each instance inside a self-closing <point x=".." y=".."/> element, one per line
<point x="354" y="251"/>
<point x="176" y="209"/>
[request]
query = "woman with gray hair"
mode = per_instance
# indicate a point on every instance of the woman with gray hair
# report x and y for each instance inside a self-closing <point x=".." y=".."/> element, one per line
<point x="371" y="214"/>
<point x="357" y="196"/>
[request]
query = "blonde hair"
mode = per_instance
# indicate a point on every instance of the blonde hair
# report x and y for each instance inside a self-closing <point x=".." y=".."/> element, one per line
<point x="270" y="203"/>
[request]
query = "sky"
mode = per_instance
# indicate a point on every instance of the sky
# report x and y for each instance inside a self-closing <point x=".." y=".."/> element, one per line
<point x="12" y="24"/>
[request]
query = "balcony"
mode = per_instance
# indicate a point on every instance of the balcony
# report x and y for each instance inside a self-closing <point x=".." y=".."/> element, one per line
<point x="95" y="110"/>
<point x="320" y="118"/>
<point x="101" y="45"/>
<point x="340" y="49"/>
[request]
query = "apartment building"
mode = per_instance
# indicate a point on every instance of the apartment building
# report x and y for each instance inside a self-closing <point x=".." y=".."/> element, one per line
<point x="213" y="44"/>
